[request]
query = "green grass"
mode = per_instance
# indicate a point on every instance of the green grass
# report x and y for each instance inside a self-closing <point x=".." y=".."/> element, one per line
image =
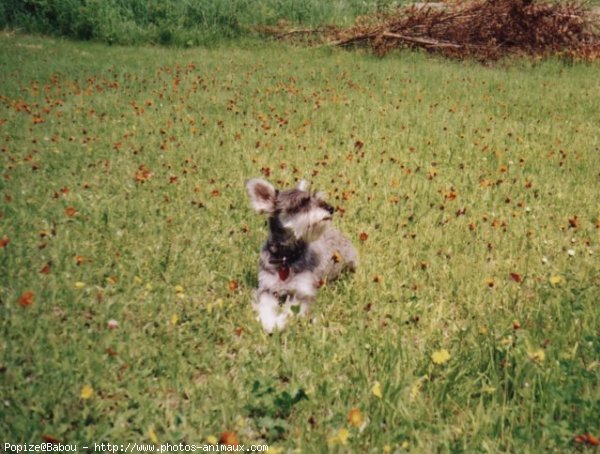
<point x="174" y="22"/>
<point x="460" y="175"/>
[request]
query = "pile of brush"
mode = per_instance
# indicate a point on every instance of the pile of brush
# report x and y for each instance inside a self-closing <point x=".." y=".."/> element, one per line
<point x="486" y="30"/>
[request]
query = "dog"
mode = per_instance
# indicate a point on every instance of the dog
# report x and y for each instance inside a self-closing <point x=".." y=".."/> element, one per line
<point x="302" y="252"/>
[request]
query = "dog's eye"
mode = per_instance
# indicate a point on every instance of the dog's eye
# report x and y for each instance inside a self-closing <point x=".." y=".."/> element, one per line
<point x="305" y="201"/>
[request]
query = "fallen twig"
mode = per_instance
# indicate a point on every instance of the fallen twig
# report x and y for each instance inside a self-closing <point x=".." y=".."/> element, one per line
<point x="424" y="41"/>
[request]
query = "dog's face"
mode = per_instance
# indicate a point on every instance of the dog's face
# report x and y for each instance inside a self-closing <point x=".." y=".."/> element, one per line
<point x="303" y="214"/>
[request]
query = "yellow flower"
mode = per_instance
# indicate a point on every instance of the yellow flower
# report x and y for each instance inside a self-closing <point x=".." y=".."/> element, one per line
<point x="174" y="319"/>
<point x="507" y="341"/>
<point x="556" y="280"/>
<point x="152" y="436"/>
<point x="355" y="417"/>
<point x="343" y="435"/>
<point x="417" y="386"/>
<point x="240" y="422"/>
<point x="537" y="356"/>
<point x="376" y="390"/>
<point x="86" y="392"/>
<point x="79" y="285"/>
<point x="339" y="438"/>
<point x="212" y="440"/>
<point x="440" y="357"/>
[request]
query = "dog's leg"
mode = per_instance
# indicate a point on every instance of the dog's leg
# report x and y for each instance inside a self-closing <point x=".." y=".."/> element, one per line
<point x="350" y="257"/>
<point x="305" y="291"/>
<point x="295" y="305"/>
<point x="269" y="313"/>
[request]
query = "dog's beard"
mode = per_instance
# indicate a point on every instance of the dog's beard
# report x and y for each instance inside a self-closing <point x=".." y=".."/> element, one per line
<point x="308" y="226"/>
<point x="314" y="232"/>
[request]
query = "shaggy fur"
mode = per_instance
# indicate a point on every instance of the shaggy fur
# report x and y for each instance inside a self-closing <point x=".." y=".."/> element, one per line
<point x="302" y="251"/>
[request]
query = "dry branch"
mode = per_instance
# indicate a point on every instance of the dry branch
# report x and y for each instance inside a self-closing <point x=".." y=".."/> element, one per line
<point x="423" y="41"/>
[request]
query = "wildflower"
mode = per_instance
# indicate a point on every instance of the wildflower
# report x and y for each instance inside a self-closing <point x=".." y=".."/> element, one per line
<point x="179" y="292"/>
<point x="86" y="392"/>
<point x="376" y="390"/>
<point x="70" y="212"/>
<point x="556" y="280"/>
<point x="339" y="438"/>
<point x="516" y="277"/>
<point x="536" y="355"/>
<point x="152" y="436"/>
<point x="440" y="357"/>
<point x="588" y="438"/>
<point x="112" y="280"/>
<point x="212" y="440"/>
<point x="229" y="439"/>
<point x="355" y="417"/>
<point x="26" y="299"/>
<point x="507" y="341"/>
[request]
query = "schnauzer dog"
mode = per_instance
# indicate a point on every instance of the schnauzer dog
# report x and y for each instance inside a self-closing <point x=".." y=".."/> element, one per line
<point x="301" y="253"/>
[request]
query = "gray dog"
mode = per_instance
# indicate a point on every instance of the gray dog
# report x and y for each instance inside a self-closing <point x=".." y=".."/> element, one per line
<point x="303" y="251"/>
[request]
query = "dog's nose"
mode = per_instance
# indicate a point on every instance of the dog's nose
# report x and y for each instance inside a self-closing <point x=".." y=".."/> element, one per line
<point x="328" y="208"/>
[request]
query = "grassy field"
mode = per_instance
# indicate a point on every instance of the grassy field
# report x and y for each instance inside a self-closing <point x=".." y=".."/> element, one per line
<point x="128" y="249"/>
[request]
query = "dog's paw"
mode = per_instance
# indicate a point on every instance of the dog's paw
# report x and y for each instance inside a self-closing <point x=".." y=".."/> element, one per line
<point x="269" y="313"/>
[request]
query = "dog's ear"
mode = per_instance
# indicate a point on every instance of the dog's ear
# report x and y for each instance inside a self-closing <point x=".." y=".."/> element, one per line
<point x="262" y="195"/>
<point x="302" y="185"/>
